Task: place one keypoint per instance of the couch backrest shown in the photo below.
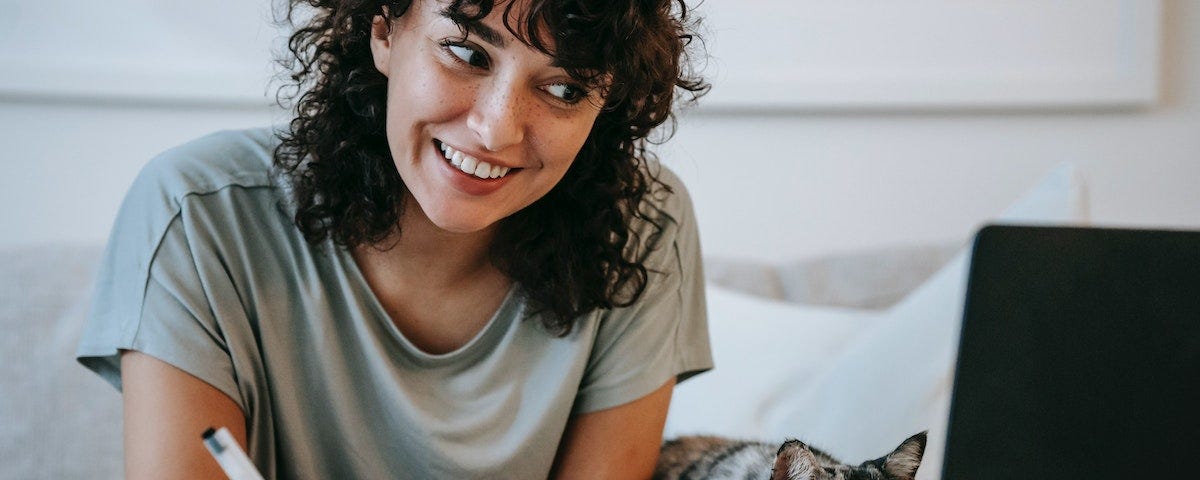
(58, 419)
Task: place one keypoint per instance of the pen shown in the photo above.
(233, 460)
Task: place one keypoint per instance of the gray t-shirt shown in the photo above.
(206, 271)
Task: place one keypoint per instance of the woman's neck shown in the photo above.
(438, 287)
(420, 254)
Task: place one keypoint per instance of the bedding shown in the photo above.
(852, 381)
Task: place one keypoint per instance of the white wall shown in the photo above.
(766, 185)
(770, 186)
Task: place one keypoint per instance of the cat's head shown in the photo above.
(796, 461)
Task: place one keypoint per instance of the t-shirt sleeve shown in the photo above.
(664, 334)
(153, 294)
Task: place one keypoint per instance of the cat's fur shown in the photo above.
(699, 457)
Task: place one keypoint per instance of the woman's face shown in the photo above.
(478, 128)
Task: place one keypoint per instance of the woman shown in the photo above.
(456, 262)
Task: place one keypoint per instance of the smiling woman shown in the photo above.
(458, 260)
(618, 67)
(490, 99)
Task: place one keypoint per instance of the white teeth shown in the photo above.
(471, 165)
(468, 164)
(484, 170)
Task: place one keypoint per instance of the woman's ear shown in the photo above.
(381, 42)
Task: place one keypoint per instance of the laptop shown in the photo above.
(1079, 356)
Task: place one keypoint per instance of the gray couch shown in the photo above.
(60, 420)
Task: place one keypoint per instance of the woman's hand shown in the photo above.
(618, 443)
(166, 411)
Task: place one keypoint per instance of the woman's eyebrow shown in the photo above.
(488, 34)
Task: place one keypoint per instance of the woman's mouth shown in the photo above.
(471, 165)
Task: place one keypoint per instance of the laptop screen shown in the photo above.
(1079, 356)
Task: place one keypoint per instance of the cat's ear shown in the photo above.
(794, 461)
(902, 463)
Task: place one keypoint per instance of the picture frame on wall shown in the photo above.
(845, 55)
(789, 55)
(139, 51)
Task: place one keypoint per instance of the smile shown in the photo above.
(470, 165)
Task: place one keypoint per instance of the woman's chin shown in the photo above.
(448, 217)
(457, 224)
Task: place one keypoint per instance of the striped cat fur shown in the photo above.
(715, 458)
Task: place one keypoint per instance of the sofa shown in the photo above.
(804, 348)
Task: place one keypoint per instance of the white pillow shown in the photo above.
(759, 347)
(895, 379)
(854, 383)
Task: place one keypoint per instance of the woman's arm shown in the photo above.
(166, 411)
(617, 443)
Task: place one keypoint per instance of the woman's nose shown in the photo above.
(498, 116)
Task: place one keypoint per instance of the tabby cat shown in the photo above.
(715, 458)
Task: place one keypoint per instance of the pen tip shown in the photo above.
(208, 433)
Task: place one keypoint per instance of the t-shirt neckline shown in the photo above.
(483, 340)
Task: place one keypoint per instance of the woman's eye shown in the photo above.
(468, 55)
(565, 92)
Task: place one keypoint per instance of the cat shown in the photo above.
(703, 457)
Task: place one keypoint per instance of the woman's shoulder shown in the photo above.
(665, 226)
(210, 163)
(194, 182)
(675, 199)
(667, 204)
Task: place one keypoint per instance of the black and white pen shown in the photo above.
(233, 460)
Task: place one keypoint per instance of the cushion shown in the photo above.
(853, 382)
(760, 347)
(60, 420)
(874, 279)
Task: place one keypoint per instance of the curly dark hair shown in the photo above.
(571, 250)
